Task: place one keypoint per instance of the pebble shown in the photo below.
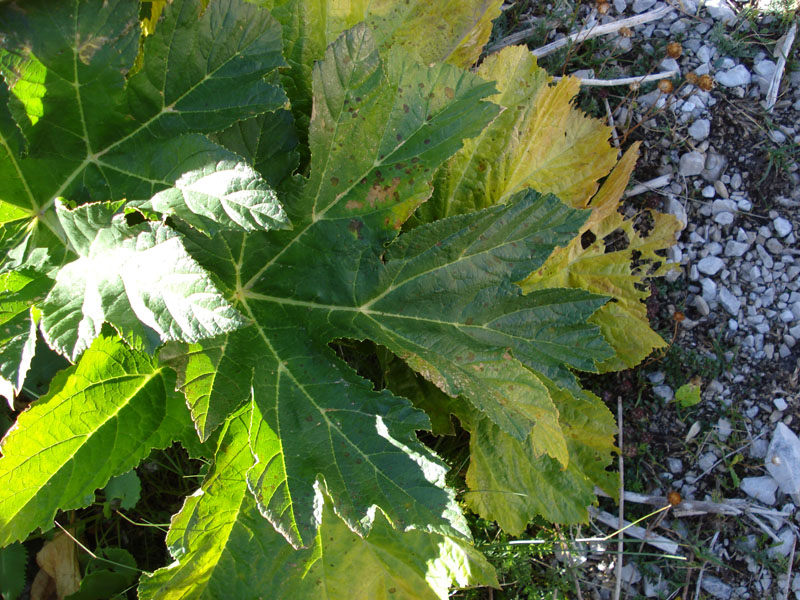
(640, 6)
(780, 404)
(735, 249)
(702, 306)
(735, 77)
(724, 218)
(720, 11)
(691, 163)
(774, 246)
(782, 227)
(761, 488)
(700, 129)
(710, 265)
(664, 392)
(729, 302)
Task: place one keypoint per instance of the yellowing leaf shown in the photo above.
(540, 141)
(623, 322)
(510, 482)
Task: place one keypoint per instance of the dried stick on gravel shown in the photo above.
(649, 186)
(640, 533)
(786, 586)
(624, 80)
(691, 508)
(579, 36)
(782, 49)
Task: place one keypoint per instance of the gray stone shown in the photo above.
(782, 227)
(708, 191)
(724, 429)
(716, 587)
(729, 302)
(620, 6)
(787, 543)
(783, 460)
(719, 10)
(710, 265)
(664, 392)
(734, 248)
(723, 205)
(715, 165)
(780, 404)
(674, 465)
(765, 68)
(777, 136)
(724, 218)
(702, 306)
(639, 6)
(707, 461)
(676, 208)
(709, 289)
(774, 246)
(691, 163)
(735, 77)
(761, 488)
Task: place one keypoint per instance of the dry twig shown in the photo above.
(579, 36)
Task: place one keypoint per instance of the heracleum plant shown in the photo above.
(198, 198)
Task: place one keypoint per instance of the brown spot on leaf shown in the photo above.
(334, 181)
(448, 91)
(405, 108)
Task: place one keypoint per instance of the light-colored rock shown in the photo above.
(702, 306)
(716, 587)
(735, 249)
(724, 218)
(787, 543)
(674, 207)
(664, 392)
(691, 164)
(729, 302)
(710, 265)
(674, 465)
(761, 488)
(783, 460)
(735, 77)
(639, 6)
(709, 287)
(782, 226)
(720, 11)
(700, 129)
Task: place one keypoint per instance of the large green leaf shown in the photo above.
(139, 279)
(91, 136)
(224, 548)
(452, 30)
(441, 297)
(512, 481)
(99, 419)
(18, 321)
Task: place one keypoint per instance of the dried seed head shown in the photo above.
(674, 49)
(691, 77)
(705, 82)
(635, 85)
(678, 316)
(665, 85)
(603, 7)
(674, 498)
(625, 32)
